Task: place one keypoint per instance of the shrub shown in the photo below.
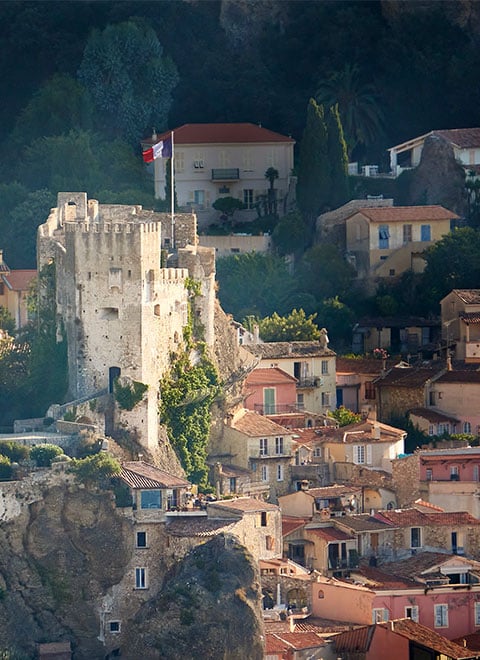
(14, 451)
(97, 469)
(43, 454)
(6, 469)
(127, 396)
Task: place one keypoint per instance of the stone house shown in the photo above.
(439, 591)
(417, 531)
(460, 311)
(386, 242)
(432, 422)
(254, 442)
(225, 160)
(233, 480)
(312, 363)
(403, 388)
(270, 391)
(455, 393)
(122, 312)
(331, 501)
(14, 287)
(355, 382)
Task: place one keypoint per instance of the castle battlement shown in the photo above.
(172, 275)
(92, 227)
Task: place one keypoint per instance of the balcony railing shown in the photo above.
(271, 409)
(226, 174)
(312, 381)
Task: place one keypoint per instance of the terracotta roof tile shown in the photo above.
(471, 641)
(138, 474)
(429, 638)
(222, 134)
(197, 527)
(290, 524)
(363, 522)
(272, 375)
(289, 349)
(408, 213)
(427, 505)
(470, 317)
(301, 640)
(329, 533)
(358, 640)
(330, 492)
(468, 296)
(465, 138)
(243, 504)
(432, 415)
(408, 376)
(455, 376)
(252, 424)
(274, 644)
(19, 280)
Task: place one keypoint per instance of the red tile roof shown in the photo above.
(420, 634)
(415, 518)
(301, 640)
(244, 504)
(358, 640)
(19, 280)
(222, 134)
(408, 376)
(270, 376)
(252, 424)
(331, 492)
(470, 317)
(431, 415)
(290, 524)
(329, 534)
(289, 349)
(468, 296)
(407, 213)
(138, 474)
(455, 376)
(464, 138)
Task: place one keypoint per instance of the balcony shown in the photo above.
(226, 174)
(311, 381)
(280, 409)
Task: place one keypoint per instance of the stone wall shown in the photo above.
(406, 480)
(397, 401)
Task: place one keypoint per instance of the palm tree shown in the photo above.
(271, 175)
(358, 105)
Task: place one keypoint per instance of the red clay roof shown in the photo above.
(407, 213)
(270, 376)
(468, 296)
(138, 474)
(329, 534)
(415, 518)
(330, 492)
(455, 376)
(431, 415)
(290, 524)
(408, 376)
(19, 280)
(470, 317)
(416, 632)
(465, 138)
(300, 640)
(252, 424)
(222, 134)
(358, 640)
(244, 504)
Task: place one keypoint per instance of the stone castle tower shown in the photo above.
(124, 313)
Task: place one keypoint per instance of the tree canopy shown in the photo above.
(296, 326)
(129, 79)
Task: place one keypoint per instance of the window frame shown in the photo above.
(117, 623)
(137, 544)
(140, 577)
(279, 445)
(280, 472)
(263, 447)
(477, 613)
(441, 608)
(414, 612)
(383, 237)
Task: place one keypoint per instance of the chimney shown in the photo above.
(449, 362)
(376, 430)
(291, 622)
(256, 334)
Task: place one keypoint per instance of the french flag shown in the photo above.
(162, 149)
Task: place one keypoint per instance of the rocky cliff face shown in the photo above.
(64, 548)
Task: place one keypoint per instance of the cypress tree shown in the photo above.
(337, 153)
(314, 180)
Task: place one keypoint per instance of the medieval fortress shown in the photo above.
(122, 300)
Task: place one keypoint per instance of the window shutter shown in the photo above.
(369, 454)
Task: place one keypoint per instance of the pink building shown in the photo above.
(436, 590)
(270, 391)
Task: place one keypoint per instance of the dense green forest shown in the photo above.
(84, 81)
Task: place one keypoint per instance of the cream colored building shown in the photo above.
(224, 160)
(385, 242)
(460, 311)
(14, 287)
(253, 441)
(312, 363)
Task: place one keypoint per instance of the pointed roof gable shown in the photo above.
(138, 474)
(252, 424)
(407, 213)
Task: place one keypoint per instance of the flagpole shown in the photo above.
(172, 192)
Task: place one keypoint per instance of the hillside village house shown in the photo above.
(312, 363)
(355, 386)
(450, 478)
(254, 442)
(439, 591)
(270, 391)
(385, 242)
(460, 310)
(14, 287)
(225, 160)
(464, 141)
(397, 334)
(400, 638)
